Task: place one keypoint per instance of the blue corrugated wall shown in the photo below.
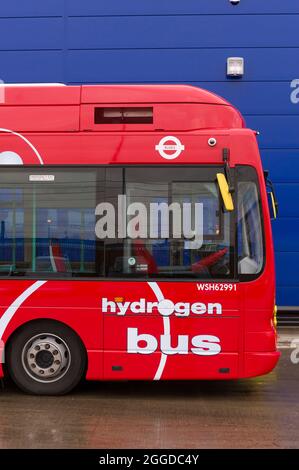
(178, 41)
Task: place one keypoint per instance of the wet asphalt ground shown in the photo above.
(261, 412)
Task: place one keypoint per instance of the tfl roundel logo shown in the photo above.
(170, 147)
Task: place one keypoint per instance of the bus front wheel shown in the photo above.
(46, 358)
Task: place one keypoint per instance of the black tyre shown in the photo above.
(46, 358)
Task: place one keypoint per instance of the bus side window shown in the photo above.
(250, 237)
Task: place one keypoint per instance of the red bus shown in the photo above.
(135, 238)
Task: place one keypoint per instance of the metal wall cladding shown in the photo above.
(172, 41)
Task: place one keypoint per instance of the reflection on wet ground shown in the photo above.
(260, 412)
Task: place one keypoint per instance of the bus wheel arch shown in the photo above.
(49, 347)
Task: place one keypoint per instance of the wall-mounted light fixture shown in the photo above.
(234, 2)
(235, 67)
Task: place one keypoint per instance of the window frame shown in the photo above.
(247, 173)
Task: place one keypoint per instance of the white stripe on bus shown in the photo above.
(13, 308)
(166, 324)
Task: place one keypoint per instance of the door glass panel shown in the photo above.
(250, 235)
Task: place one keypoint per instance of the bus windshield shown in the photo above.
(127, 222)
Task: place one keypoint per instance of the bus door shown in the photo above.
(173, 304)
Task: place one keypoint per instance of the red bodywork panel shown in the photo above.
(55, 126)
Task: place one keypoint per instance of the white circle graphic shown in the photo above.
(17, 134)
(170, 144)
(10, 158)
(166, 307)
